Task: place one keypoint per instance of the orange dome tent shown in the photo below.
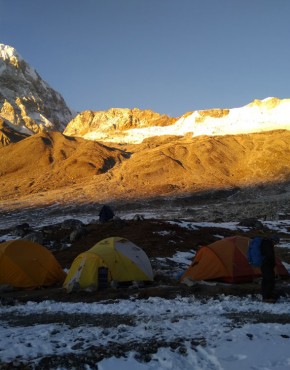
(26, 264)
(226, 260)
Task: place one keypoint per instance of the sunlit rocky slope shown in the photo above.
(83, 170)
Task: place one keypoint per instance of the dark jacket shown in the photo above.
(268, 269)
(268, 252)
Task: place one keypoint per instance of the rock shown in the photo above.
(138, 218)
(72, 223)
(252, 223)
(77, 234)
(21, 230)
(36, 237)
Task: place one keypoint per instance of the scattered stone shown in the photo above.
(72, 223)
(77, 234)
(252, 223)
(138, 217)
(36, 237)
(21, 230)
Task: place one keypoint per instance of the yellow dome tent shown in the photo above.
(26, 264)
(114, 258)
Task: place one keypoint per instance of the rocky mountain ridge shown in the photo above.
(133, 126)
(28, 104)
(114, 124)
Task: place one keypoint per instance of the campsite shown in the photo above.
(170, 245)
(145, 152)
(160, 239)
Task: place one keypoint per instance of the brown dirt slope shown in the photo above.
(158, 166)
(209, 162)
(51, 160)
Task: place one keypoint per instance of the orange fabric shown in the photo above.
(205, 265)
(25, 264)
(226, 260)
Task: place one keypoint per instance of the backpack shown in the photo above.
(106, 214)
(255, 257)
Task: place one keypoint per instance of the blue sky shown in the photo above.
(171, 56)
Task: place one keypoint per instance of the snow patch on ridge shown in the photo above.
(259, 116)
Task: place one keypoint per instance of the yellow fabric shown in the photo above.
(121, 267)
(25, 264)
(84, 273)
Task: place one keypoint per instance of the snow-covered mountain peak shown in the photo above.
(27, 103)
(11, 57)
(8, 53)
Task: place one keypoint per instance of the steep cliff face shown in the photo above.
(27, 103)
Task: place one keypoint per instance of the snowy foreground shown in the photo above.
(215, 334)
(226, 345)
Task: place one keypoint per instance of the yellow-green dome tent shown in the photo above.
(114, 258)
